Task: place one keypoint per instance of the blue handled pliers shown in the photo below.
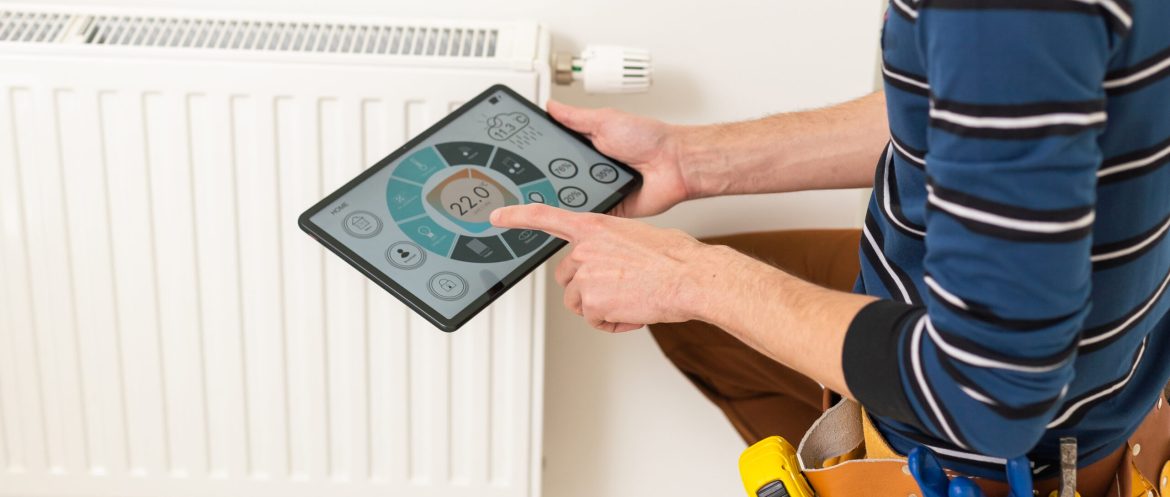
(934, 482)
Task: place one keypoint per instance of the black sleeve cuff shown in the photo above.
(870, 359)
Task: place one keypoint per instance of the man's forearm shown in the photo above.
(796, 323)
(834, 147)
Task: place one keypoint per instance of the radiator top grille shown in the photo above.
(248, 35)
(39, 27)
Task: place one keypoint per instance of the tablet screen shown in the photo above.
(422, 218)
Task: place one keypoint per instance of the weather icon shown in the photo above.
(503, 126)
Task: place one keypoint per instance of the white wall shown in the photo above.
(619, 420)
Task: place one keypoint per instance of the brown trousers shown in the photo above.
(760, 396)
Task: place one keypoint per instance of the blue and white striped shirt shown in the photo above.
(1018, 230)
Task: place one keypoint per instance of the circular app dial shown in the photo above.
(462, 183)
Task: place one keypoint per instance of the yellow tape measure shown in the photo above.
(770, 469)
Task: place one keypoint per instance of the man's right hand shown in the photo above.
(648, 145)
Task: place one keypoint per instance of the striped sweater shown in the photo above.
(1017, 230)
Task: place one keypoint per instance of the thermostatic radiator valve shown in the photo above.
(605, 69)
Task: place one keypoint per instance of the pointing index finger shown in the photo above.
(556, 222)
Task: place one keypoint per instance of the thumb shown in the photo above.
(579, 119)
(560, 223)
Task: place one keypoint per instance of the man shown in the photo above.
(1010, 288)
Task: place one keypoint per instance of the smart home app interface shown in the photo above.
(423, 219)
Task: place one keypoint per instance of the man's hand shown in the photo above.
(620, 274)
(648, 145)
(836, 147)
(623, 274)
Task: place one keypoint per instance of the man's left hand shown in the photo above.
(620, 274)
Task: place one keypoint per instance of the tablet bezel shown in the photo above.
(509, 280)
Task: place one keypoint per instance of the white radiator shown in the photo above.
(165, 328)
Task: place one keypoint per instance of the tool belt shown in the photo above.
(843, 455)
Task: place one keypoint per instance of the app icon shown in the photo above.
(405, 255)
(447, 286)
(562, 168)
(479, 248)
(603, 173)
(572, 196)
(362, 224)
(465, 153)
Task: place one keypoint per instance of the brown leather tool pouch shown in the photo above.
(843, 455)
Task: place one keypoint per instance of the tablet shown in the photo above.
(417, 221)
